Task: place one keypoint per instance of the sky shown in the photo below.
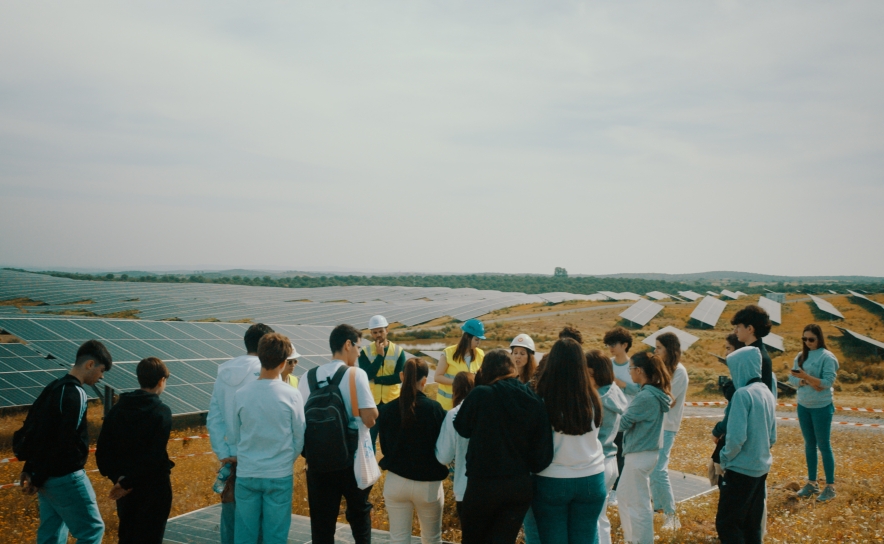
(515, 137)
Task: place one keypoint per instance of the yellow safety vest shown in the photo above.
(445, 393)
(384, 393)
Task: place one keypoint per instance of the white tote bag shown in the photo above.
(365, 465)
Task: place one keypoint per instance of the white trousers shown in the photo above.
(402, 497)
(634, 497)
(611, 474)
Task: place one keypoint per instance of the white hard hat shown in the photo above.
(377, 321)
(523, 341)
(295, 354)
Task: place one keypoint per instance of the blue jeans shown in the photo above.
(816, 427)
(661, 488)
(265, 505)
(567, 509)
(68, 502)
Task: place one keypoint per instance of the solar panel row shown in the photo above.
(708, 311)
(642, 312)
(192, 351)
(826, 306)
(774, 309)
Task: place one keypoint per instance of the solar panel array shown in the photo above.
(24, 374)
(642, 312)
(729, 294)
(826, 306)
(657, 295)
(326, 306)
(774, 309)
(713, 293)
(686, 339)
(690, 295)
(192, 351)
(867, 299)
(774, 341)
(708, 311)
(862, 338)
(620, 296)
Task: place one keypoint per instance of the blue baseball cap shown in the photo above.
(474, 327)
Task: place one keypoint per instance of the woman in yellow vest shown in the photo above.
(383, 361)
(463, 357)
(289, 368)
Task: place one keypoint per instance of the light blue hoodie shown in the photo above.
(821, 363)
(751, 426)
(614, 405)
(642, 424)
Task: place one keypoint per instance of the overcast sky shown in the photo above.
(444, 137)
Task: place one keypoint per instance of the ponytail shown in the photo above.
(415, 370)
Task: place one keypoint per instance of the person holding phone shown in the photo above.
(813, 373)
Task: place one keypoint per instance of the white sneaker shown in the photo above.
(671, 522)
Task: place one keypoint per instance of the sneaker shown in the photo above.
(612, 498)
(671, 523)
(810, 489)
(828, 493)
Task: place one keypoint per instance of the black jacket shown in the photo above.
(767, 377)
(411, 452)
(509, 431)
(133, 440)
(63, 437)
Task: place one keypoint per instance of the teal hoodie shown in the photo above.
(821, 363)
(751, 426)
(614, 404)
(642, 424)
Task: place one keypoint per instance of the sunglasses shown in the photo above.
(809, 339)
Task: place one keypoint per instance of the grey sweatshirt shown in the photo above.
(642, 424)
(614, 404)
(751, 426)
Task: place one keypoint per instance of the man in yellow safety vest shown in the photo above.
(382, 360)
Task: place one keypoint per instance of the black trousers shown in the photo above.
(493, 510)
(324, 492)
(618, 441)
(144, 511)
(740, 508)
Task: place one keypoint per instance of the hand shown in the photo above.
(620, 383)
(379, 347)
(800, 374)
(715, 439)
(226, 460)
(26, 486)
(117, 492)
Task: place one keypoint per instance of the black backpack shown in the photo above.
(329, 442)
(30, 440)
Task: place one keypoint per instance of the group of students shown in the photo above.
(539, 446)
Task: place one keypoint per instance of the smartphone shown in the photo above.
(794, 371)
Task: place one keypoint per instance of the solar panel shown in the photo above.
(740, 294)
(191, 351)
(657, 295)
(774, 341)
(867, 299)
(833, 292)
(24, 374)
(773, 309)
(713, 293)
(729, 294)
(826, 306)
(862, 338)
(686, 339)
(690, 295)
(708, 311)
(642, 312)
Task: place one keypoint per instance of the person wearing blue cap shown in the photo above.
(465, 356)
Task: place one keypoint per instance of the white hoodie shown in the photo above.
(232, 376)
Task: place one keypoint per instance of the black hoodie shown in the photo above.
(133, 440)
(509, 431)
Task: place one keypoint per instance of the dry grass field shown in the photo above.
(856, 515)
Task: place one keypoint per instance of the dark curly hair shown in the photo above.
(572, 333)
(755, 316)
(618, 335)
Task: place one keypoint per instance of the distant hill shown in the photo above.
(745, 277)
